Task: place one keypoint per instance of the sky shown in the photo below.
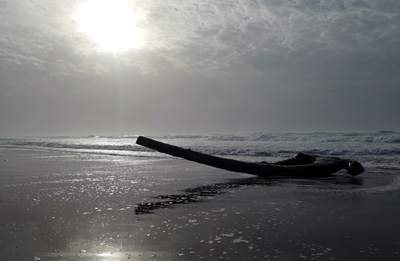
(122, 67)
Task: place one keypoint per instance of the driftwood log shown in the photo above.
(304, 165)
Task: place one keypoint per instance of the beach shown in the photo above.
(60, 206)
(302, 95)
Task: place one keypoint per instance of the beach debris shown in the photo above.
(302, 164)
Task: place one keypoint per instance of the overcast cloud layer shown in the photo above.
(204, 66)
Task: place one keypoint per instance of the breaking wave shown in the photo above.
(380, 136)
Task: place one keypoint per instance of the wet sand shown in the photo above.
(61, 206)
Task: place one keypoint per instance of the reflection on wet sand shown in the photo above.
(57, 210)
(203, 193)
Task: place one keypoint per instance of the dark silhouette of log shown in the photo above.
(305, 165)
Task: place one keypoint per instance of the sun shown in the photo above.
(111, 24)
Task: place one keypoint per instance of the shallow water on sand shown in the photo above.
(61, 206)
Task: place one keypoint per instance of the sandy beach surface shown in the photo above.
(63, 206)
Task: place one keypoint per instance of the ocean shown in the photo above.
(106, 198)
(378, 150)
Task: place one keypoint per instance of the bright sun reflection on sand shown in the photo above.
(111, 24)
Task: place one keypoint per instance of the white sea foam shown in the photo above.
(381, 136)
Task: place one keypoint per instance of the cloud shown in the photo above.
(205, 65)
(213, 37)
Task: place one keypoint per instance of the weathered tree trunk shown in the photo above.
(305, 165)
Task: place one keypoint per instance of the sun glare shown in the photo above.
(111, 24)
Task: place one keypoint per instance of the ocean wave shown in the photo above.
(380, 136)
(259, 149)
(383, 136)
(378, 149)
(75, 146)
